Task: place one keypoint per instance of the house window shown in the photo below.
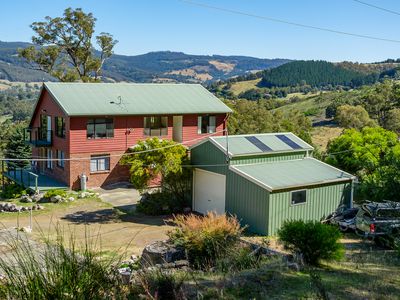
(60, 158)
(100, 128)
(206, 124)
(299, 197)
(155, 126)
(49, 162)
(60, 126)
(99, 163)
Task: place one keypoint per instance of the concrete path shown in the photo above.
(121, 195)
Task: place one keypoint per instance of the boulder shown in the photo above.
(56, 199)
(26, 199)
(161, 252)
(37, 197)
(71, 199)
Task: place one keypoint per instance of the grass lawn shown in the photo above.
(366, 272)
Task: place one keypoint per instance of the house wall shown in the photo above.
(320, 202)
(48, 107)
(128, 130)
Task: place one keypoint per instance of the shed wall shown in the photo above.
(242, 160)
(206, 155)
(248, 201)
(320, 202)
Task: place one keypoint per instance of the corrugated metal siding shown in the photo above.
(267, 158)
(320, 202)
(208, 154)
(248, 202)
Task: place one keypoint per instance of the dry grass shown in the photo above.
(225, 67)
(321, 135)
(242, 86)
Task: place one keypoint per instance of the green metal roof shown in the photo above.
(240, 145)
(291, 174)
(90, 99)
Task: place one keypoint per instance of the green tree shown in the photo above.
(393, 120)
(349, 116)
(373, 154)
(154, 158)
(16, 148)
(63, 47)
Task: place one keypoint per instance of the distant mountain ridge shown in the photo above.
(161, 66)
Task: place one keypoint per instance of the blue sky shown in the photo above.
(152, 25)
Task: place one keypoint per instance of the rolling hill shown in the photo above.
(158, 66)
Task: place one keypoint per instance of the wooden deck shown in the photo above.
(33, 181)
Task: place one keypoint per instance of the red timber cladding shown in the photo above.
(47, 106)
(128, 130)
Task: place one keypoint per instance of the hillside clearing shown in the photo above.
(242, 86)
(321, 135)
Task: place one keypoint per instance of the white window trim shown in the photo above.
(96, 158)
(49, 161)
(296, 204)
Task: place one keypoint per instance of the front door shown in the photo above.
(177, 129)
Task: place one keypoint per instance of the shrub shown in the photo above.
(161, 203)
(52, 193)
(313, 240)
(205, 238)
(158, 284)
(12, 191)
(58, 270)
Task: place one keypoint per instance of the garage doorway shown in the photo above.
(208, 192)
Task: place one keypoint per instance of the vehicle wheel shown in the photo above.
(343, 228)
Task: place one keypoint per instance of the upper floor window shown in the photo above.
(60, 126)
(100, 128)
(155, 126)
(206, 124)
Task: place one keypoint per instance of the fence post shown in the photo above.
(36, 183)
(2, 175)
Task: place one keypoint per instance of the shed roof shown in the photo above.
(87, 99)
(291, 174)
(263, 143)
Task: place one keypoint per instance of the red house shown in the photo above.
(88, 126)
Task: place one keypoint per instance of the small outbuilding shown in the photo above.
(265, 179)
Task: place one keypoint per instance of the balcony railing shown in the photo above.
(39, 137)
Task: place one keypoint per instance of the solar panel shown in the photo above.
(288, 141)
(256, 142)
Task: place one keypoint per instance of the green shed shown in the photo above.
(265, 179)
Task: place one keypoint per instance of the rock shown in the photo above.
(37, 197)
(161, 252)
(39, 207)
(293, 266)
(134, 258)
(26, 199)
(56, 199)
(71, 199)
(125, 275)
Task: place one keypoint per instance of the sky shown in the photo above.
(142, 26)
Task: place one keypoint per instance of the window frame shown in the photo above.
(148, 131)
(60, 161)
(300, 203)
(57, 129)
(208, 124)
(98, 157)
(92, 121)
(49, 159)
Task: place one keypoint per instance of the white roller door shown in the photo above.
(209, 192)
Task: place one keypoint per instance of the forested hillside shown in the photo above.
(162, 66)
(315, 74)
